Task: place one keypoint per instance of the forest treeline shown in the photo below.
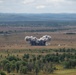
(52, 23)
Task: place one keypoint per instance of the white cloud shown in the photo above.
(27, 1)
(54, 0)
(71, 0)
(54, 3)
(1, 1)
(40, 6)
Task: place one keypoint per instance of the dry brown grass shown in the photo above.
(16, 40)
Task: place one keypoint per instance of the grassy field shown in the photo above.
(65, 72)
(59, 72)
(14, 44)
(16, 40)
(13, 37)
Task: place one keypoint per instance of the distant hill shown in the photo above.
(36, 17)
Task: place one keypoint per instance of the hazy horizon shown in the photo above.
(33, 13)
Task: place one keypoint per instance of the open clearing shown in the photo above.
(14, 44)
(65, 72)
(16, 40)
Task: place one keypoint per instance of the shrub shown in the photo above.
(2, 73)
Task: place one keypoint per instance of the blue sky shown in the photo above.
(37, 6)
